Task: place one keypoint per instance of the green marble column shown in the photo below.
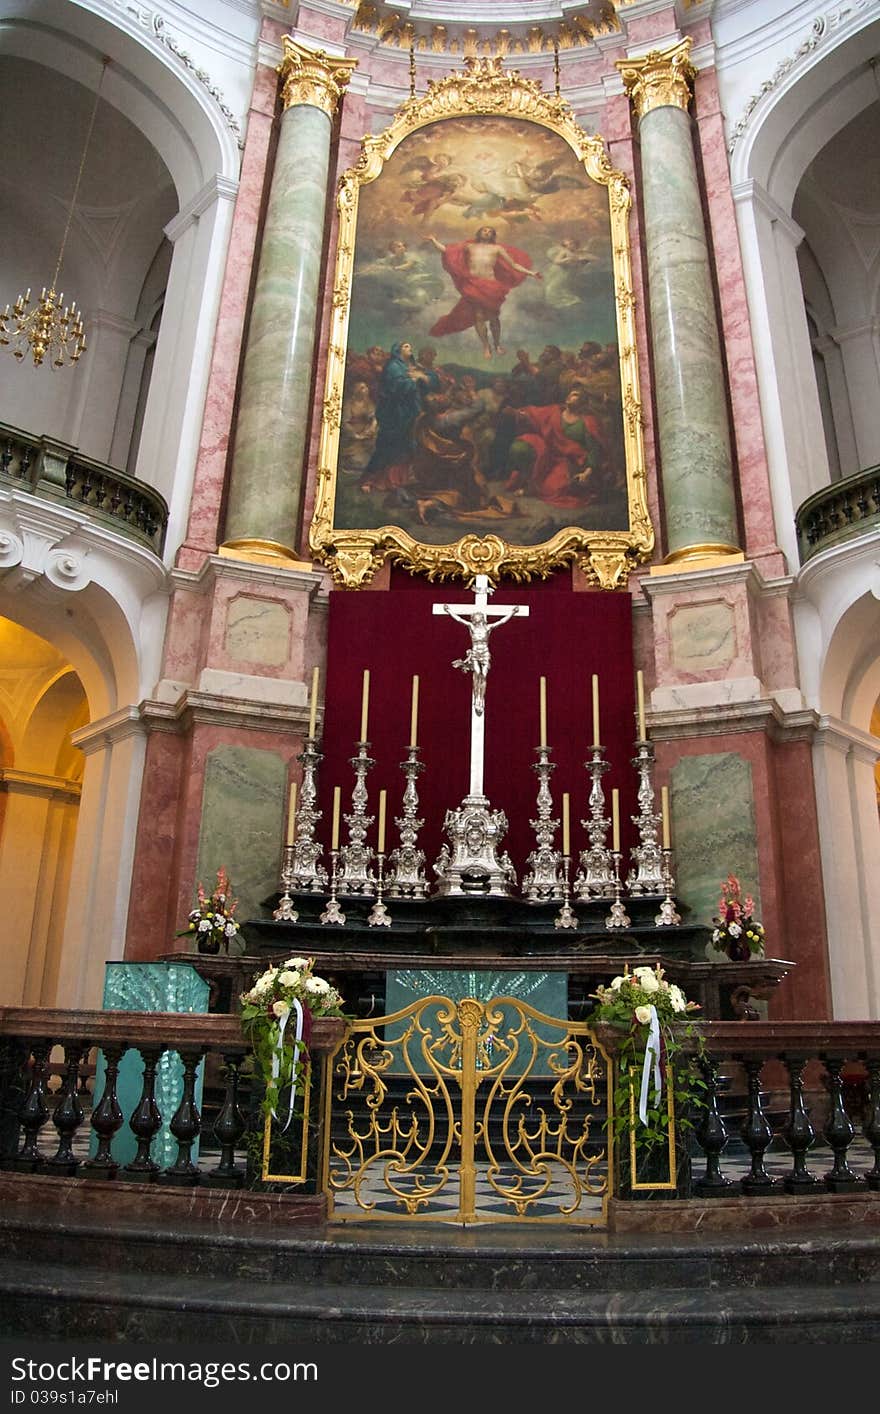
(695, 457)
(267, 465)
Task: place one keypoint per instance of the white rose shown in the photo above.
(734, 930)
(280, 1009)
(299, 964)
(287, 978)
(648, 980)
(617, 984)
(205, 925)
(676, 998)
(643, 1014)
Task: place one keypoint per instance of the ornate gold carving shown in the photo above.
(660, 79)
(263, 552)
(312, 76)
(571, 33)
(484, 87)
(501, 1109)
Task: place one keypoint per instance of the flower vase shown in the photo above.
(208, 943)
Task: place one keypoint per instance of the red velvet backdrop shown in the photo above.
(567, 637)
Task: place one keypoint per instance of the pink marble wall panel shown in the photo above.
(186, 635)
(156, 871)
(294, 603)
(203, 530)
(718, 602)
(757, 510)
(322, 26)
(792, 902)
(776, 636)
(641, 29)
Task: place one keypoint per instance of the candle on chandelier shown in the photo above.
(383, 794)
(414, 714)
(566, 826)
(365, 704)
(596, 738)
(291, 812)
(664, 799)
(615, 821)
(543, 712)
(334, 834)
(313, 710)
(640, 689)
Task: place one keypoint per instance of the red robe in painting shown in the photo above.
(558, 457)
(476, 293)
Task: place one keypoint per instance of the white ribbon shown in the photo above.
(651, 1049)
(279, 1050)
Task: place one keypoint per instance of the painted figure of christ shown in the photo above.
(484, 272)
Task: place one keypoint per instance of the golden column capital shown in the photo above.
(312, 76)
(659, 79)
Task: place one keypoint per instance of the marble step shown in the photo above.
(57, 1302)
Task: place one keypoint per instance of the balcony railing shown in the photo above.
(838, 512)
(58, 472)
(808, 1091)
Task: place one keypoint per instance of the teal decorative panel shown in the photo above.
(713, 819)
(545, 991)
(243, 807)
(150, 986)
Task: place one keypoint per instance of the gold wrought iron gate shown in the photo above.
(467, 1112)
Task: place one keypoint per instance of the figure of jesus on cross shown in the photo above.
(480, 619)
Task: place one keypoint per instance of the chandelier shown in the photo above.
(52, 328)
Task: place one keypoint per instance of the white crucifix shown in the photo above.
(479, 619)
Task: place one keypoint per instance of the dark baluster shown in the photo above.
(186, 1124)
(128, 506)
(86, 487)
(849, 510)
(798, 1132)
(100, 491)
(116, 498)
(862, 505)
(712, 1134)
(229, 1128)
(25, 463)
(14, 1055)
(69, 476)
(107, 1118)
(872, 1120)
(839, 1131)
(6, 457)
(757, 1134)
(68, 1114)
(146, 1120)
(34, 1111)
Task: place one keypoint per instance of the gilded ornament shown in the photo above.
(660, 79)
(312, 76)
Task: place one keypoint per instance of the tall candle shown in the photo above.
(365, 704)
(664, 798)
(291, 812)
(334, 836)
(382, 799)
(543, 711)
(596, 738)
(640, 689)
(313, 712)
(615, 821)
(566, 839)
(414, 714)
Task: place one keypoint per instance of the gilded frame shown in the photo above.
(606, 556)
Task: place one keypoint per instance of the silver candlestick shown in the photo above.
(544, 880)
(355, 874)
(333, 913)
(669, 914)
(379, 917)
(618, 917)
(566, 917)
(595, 878)
(406, 878)
(646, 875)
(285, 912)
(303, 870)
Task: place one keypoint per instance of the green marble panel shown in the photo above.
(713, 830)
(150, 986)
(243, 807)
(547, 992)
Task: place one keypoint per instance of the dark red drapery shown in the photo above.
(567, 637)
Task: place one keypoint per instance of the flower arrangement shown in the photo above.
(213, 920)
(737, 932)
(648, 1012)
(277, 1015)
